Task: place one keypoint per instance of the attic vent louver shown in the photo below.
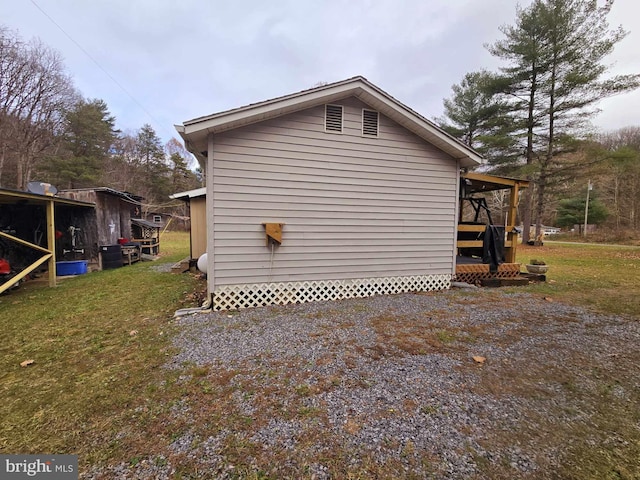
(370, 123)
(333, 118)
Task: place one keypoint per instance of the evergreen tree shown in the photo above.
(89, 133)
(571, 211)
(152, 169)
(475, 115)
(149, 146)
(553, 78)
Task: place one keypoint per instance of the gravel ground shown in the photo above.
(390, 384)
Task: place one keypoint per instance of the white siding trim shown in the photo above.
(233, 297)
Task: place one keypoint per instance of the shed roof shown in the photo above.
(126, 196)
(189, 194)
(146, 223)
(195, 132)
(9, 197)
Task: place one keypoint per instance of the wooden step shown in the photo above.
(504, 282)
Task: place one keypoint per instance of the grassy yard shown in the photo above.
(98, 342)
(604, 277)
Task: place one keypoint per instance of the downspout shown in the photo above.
(209, 180)
(455, 220)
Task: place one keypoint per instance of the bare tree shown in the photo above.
(34, 94)
(619, 176)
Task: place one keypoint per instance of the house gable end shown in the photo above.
(195, 132)
(352, 206)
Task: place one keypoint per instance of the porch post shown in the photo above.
(512, 235)
(51, 242)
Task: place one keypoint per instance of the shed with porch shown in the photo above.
(112, 224)
(35, 233)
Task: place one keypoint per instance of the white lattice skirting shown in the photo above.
(232, 297)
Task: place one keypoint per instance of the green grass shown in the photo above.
(97, 387)
(97, 341)
(606, 278)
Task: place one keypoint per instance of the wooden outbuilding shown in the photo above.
(196, 203)
(112, 228)
(147, 235)
(36, 230)
(114, 211)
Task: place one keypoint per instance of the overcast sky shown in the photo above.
(167, 61)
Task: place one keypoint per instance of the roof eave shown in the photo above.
(196, 192)
(195, 132)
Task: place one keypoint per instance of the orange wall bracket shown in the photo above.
(273, 232)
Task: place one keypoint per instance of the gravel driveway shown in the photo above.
(388, 387)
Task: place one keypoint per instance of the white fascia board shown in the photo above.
(198, 192)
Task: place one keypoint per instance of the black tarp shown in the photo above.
(493, 247)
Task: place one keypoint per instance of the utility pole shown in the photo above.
(586, 207)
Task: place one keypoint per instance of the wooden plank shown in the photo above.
(9, 283)
(51, 242)
(507, 182)
(274, 232)
(24, 242)
(469, 243)
(471, 228)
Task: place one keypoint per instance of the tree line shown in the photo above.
(49, 132)
(531, 117)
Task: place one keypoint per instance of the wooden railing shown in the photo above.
(510, 243)
(150, 246)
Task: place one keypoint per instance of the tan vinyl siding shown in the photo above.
(198, 213)
(353, 206)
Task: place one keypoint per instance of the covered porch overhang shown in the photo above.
(471, 234)
(47, 254)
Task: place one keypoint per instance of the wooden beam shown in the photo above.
(469, 243)
(507, 182)
(51, 242)
(167, 225)
(512, 235)
(471, 228)
(24, 242)
(50, 256)
(9, 283)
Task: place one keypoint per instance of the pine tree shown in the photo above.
(474, 115)
(149, 146)
(88, 135)
(553, 78)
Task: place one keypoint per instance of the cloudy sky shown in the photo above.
(166, 61)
